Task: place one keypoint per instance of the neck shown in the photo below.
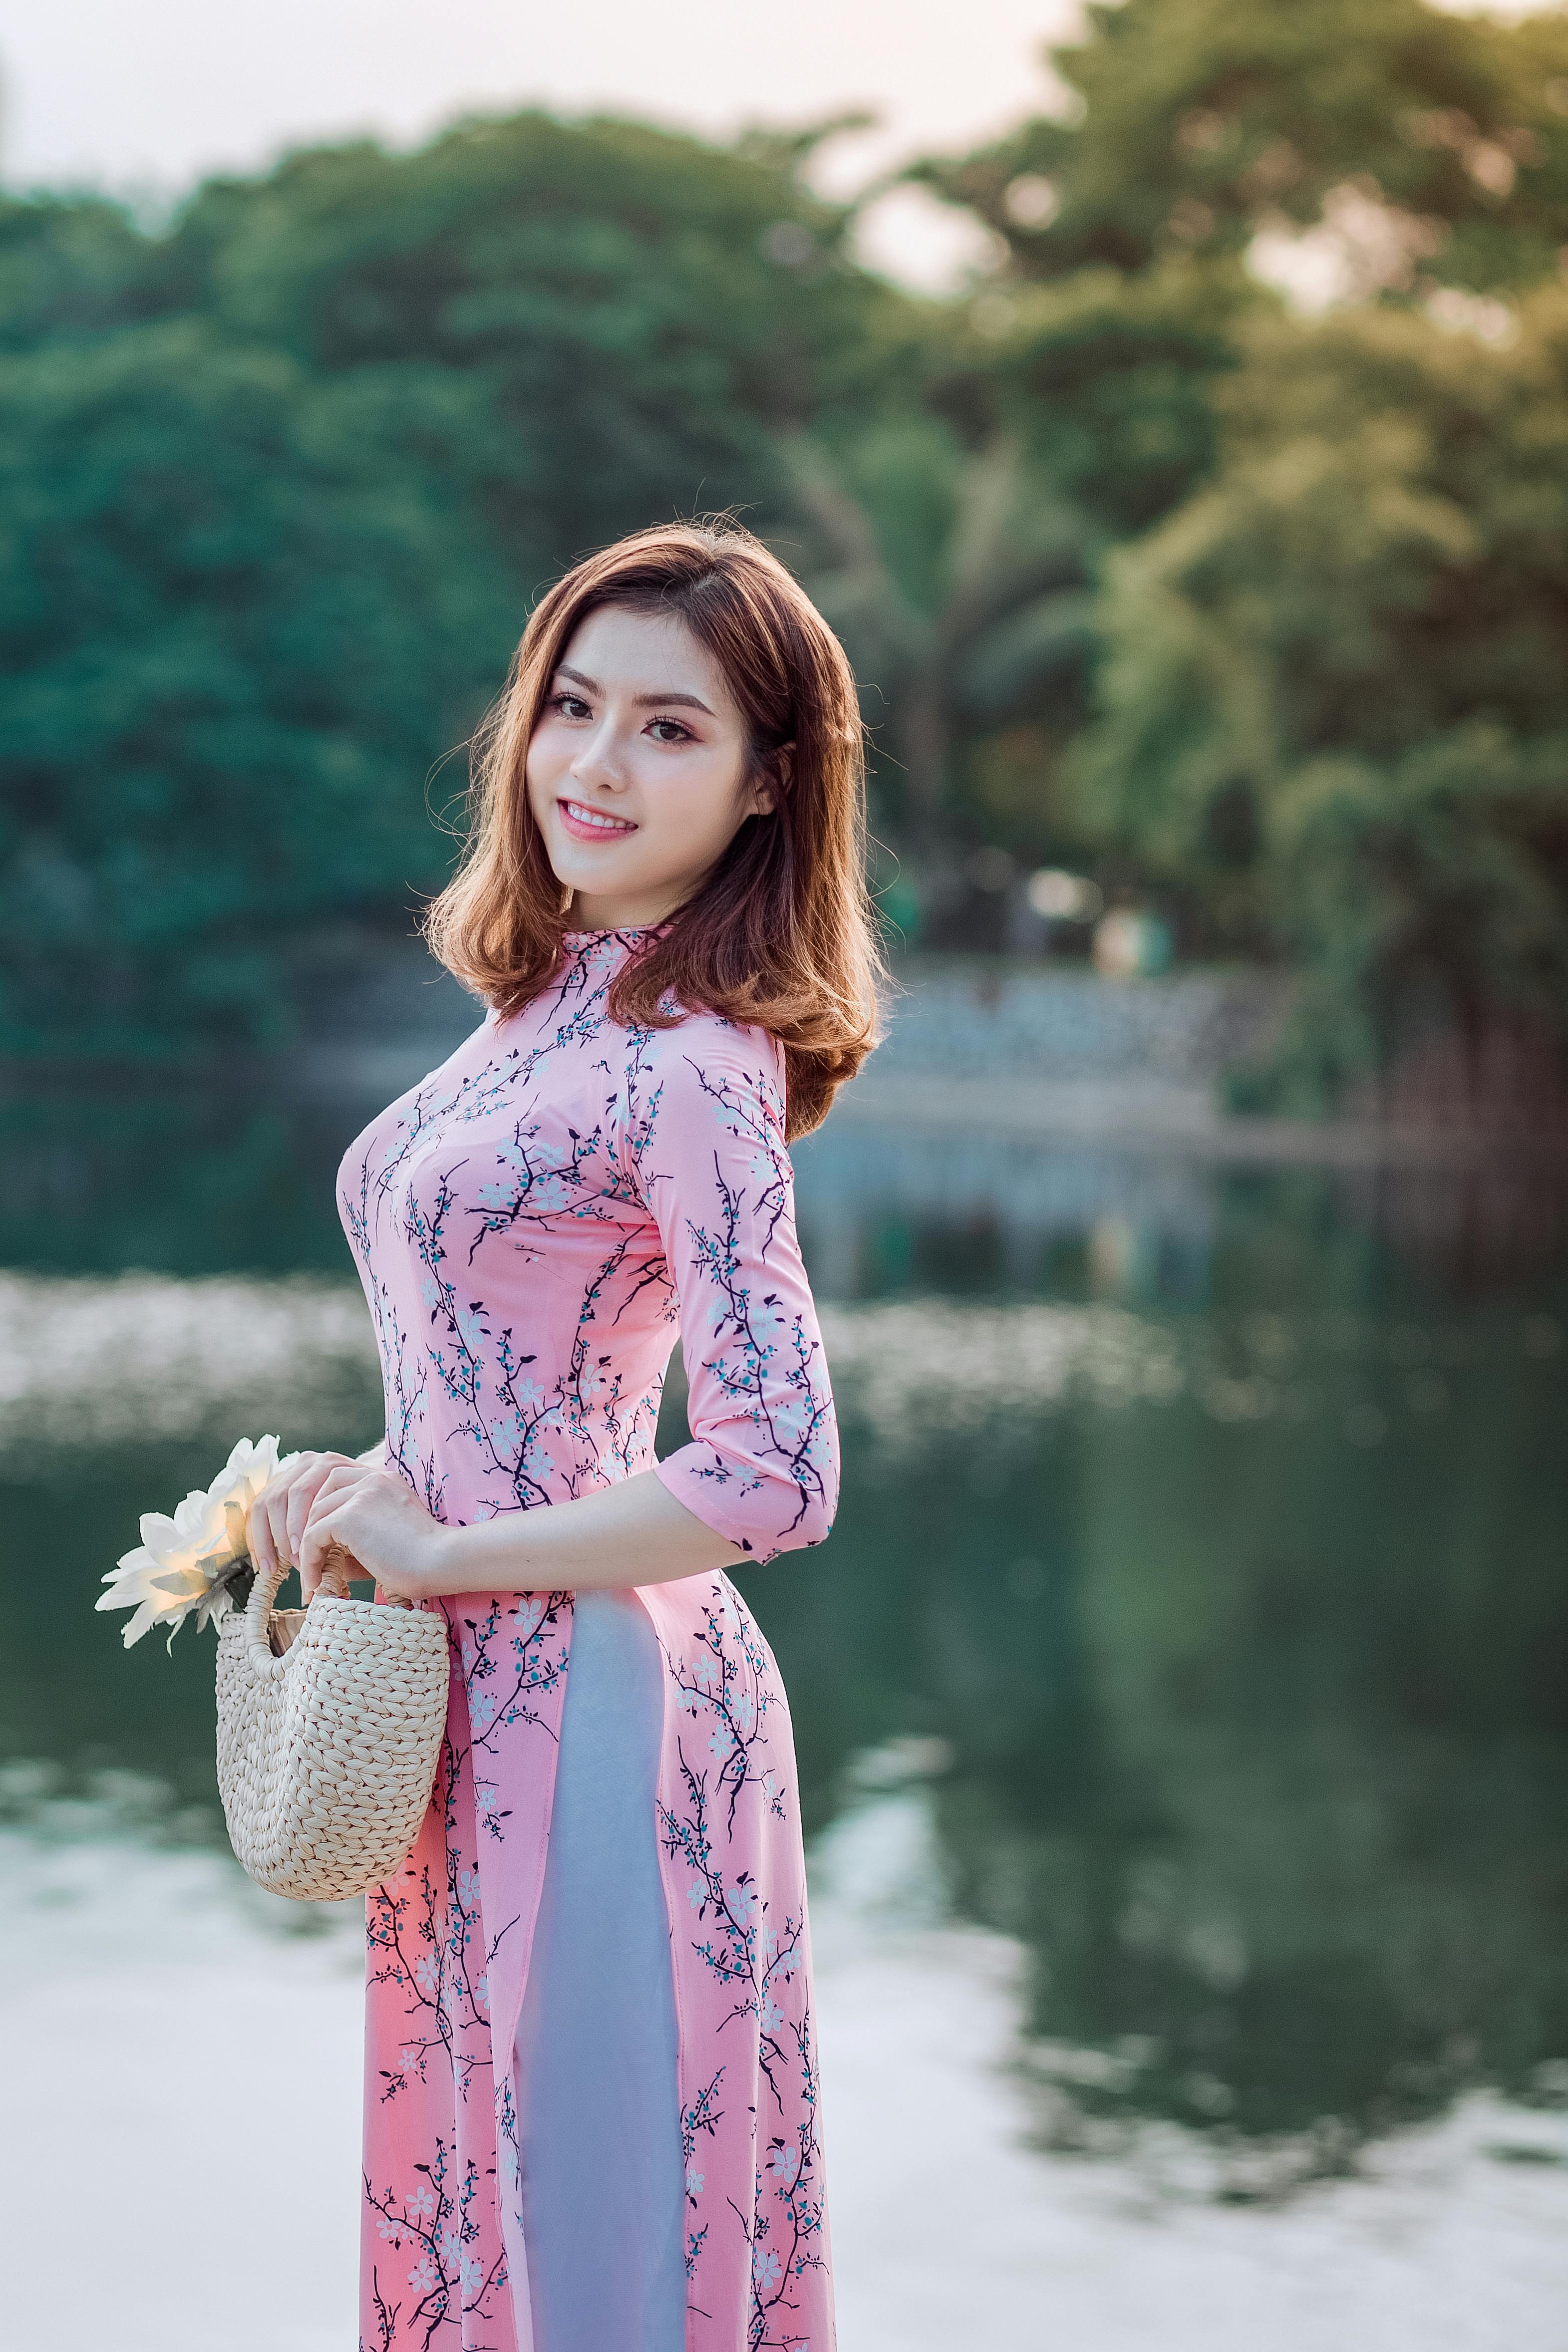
(593, 913)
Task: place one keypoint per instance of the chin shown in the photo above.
(576, 862)
(595, 875)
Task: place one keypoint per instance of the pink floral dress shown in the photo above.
(531, 1224)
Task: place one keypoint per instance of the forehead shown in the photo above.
(647, 653)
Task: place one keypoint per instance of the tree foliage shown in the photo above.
(1197, 122)
(280, 483)
(1334, 701)
(1328, 716)
(238, 620)
(1138, 567)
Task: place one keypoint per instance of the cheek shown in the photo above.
(683, 828)
(543, 766)
(698, 803)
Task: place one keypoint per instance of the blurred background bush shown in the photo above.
(1209, 545)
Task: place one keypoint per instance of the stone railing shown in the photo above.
(969, 1019)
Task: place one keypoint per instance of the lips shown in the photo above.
(585, 822)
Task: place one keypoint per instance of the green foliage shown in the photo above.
(280, 483)
(236, 633)
(1198, 121)
(68, 267)
(613, 287)
(1335, 705)
(953, 545)
(962, 607)
(1110, 380)
(1331, 712)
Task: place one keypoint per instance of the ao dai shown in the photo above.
(532, 1225)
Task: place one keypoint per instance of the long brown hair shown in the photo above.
(780, 931)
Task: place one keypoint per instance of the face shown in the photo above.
(637, 771)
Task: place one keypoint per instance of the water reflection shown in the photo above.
(1198, 1592)
(1252, 1677)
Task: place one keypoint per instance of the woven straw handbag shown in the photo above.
(327, 1753)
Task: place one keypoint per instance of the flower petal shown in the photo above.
(186, 1584)
(191, 1516)
(144, 1617)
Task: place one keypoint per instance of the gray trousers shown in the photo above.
(599, 2125)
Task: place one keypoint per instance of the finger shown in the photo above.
(258, 1538)
(272, 1507)
(285, 1478)
(336, 1570)
(270, 1537)
(315, 1547)
(276, 1512)
(340, 1482)
(344, 1478)
(303, 1489)
(325, 1563)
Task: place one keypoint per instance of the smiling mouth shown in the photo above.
(580, 819)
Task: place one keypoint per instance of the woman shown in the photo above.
(591, 2089)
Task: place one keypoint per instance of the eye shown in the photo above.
(570, 706)
(676, 732)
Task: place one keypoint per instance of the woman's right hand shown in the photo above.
(276, 1520)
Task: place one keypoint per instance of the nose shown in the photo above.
(597, 764)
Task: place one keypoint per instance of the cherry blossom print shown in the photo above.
(535, 1223)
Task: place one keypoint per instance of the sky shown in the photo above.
(144, 98)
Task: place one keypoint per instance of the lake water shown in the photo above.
(1192, 1640)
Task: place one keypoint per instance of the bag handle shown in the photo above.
(264, 1591)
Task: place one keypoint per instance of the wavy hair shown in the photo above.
(780, 931)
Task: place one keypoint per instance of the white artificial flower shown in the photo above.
(182, 1565)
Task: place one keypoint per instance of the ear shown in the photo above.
(769, 787)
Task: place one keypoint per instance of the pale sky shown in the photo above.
(149, 96)
(144, 95)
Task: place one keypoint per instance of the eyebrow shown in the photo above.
(643, 701)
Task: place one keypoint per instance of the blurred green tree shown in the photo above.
(68, 266)
(238, 622)
(281, 482)
(1191, 125)
(956, 545)
(961, 588)
(1332, 716)
(1335, 702)
(647, 313)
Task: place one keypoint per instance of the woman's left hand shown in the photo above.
(388, 1533)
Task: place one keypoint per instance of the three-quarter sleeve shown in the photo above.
(762, 1467)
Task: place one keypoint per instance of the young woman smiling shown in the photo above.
(592, 2105)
